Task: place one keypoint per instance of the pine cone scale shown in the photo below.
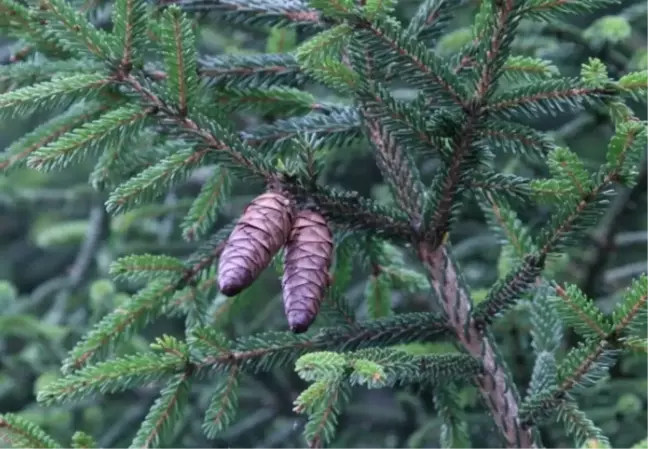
(307, 259)
(259, 234)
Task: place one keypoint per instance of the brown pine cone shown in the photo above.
(307, 260)
(259, 234)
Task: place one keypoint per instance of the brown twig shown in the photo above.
(494, 384)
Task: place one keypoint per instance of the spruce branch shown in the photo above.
(503, 187)
(325, 58)
(590, 194)
(508, 291)
(118, 325)
(336, 129)
(450, 179)
(143, 187)
(226, 142)
(264, 351)
(590, 206)
(630, 314)
(165, 412)
(516, 139)
(583, 364)
(580, 426)
(495, 385)
(224, 403)
(497, 388)
(251, 70)
(544, 373)
(51, 94)
(431, 19)
(520, 69)
(416, 133)
(498, 31)
(20, 150)
(113, 376)
(550, 10)
(454, 431)
(130, 20)
(422, 68)
(582, 367)
(449, 183)
(580, 312)
(276, 100)
(351, 211)
(548, 97)
(74, 32)
(179, 53)
(144, 268)
(19, 432)
(507, 226)
(147, 304)
(322, 421)
(398, 169)
(209, 140)
(396, 367)
(255, 13)
(32, 72)
(27, 25)
(110, 129)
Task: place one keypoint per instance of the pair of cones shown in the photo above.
(268, 223)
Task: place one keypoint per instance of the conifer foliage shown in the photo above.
(142, 84)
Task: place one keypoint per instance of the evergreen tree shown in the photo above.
(147, 110)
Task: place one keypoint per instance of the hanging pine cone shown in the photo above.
(307, 259)
(259, 234)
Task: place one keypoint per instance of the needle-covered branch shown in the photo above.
(140, 99)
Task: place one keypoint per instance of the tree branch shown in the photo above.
(497, 389)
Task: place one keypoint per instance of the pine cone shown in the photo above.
(307, 259)
(259, 234)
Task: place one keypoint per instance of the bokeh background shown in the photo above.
(57, 242)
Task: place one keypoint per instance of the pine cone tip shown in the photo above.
(298, 322)
(234, 282)
(230, 290)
